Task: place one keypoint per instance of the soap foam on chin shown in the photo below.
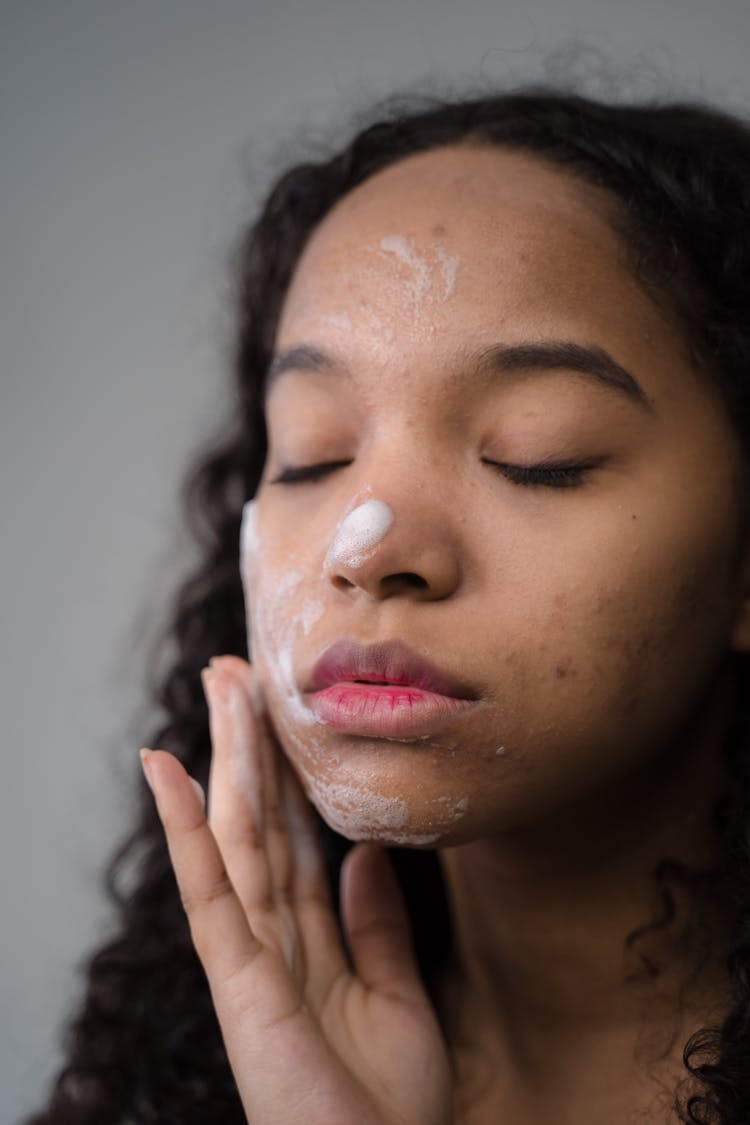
(358, 812)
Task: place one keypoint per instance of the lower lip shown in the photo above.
(384, 710)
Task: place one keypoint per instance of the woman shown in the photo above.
(492, 450)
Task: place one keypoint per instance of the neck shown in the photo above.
(543, 969)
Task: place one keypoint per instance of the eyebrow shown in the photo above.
(565, 355)
(302, 358)
(512, 359)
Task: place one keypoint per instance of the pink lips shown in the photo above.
(384, 690)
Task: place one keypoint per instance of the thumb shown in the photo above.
(377, 924)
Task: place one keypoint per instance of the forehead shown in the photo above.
(470, 245)
(459, 209)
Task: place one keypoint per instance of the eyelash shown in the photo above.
(304, 473)
(545, 476)
(530, 476)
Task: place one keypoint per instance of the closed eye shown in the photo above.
(548, 476)
(299, 474)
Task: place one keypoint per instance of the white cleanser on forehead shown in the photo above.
(421, 266)
(359, 533)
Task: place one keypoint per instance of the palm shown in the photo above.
(311, 1035)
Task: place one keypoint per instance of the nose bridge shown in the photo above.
(408, 467)
(400, 537)
(411, 455)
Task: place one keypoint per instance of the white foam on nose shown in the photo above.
(359, 533)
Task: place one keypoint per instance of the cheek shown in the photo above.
(278, 613)
(631, 636)
(597, 679)
(274, 630)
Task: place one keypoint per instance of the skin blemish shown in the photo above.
(359, 533)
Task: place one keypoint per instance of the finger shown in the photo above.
(325, 956)
(303, 926)
(246, 676)
(236, 791)
(252, 722)
(310, 879)
(377, 924)
(219, 928)
(244, 672)
(299, 878)
(236, 762)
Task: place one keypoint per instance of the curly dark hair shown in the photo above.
(144, 1046)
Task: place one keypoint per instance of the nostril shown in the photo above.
(405, 578)
(342, 583)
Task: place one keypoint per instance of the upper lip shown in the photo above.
(390, 662)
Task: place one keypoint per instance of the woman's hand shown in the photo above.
(310, 1038)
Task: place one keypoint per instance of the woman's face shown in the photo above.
(493, 467)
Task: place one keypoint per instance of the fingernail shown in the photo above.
(145, 754)
(199, 790)
(218, 687)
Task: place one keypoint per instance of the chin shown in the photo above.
(358, 810)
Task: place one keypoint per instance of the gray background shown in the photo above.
(134, 137)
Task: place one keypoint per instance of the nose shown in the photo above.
(417, 557)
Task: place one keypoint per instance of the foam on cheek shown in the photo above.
(249, 548)
(249, 540)
(275, 615)
(359, 533)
